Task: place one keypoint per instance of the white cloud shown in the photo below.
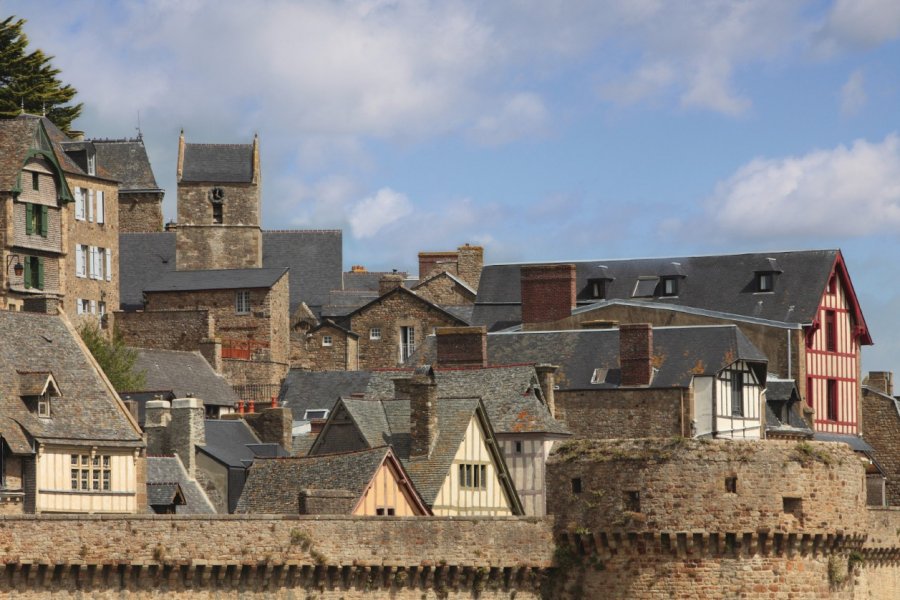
(845, 191)
(374, 213)
(859, 24)
(521, 116)
(853, 94)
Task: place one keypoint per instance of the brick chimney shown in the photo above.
(547, 379)
(431, 261)
(470, 263)
(187, 430)
(461, 346)
(882, 381)
(548, 292)
(423, 423)
(636, 353)
(389, 282)
(157, 417)
(47, 305)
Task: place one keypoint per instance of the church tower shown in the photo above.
(219, 206)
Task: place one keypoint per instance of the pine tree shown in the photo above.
(29, 80)
(115, 358)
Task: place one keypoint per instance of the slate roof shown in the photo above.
(445, 274)
(143, 258)
(16, 136)
(722, 283)
(87, 412)
(183, 373)
(222, 163)
(314, 258)
(274, 485)
(681, 352)
(305, 390)
(169, 470)
(463, 313)
(224, 279)
(366, 280)
(227, 441)
(341, 303)
(127, 161)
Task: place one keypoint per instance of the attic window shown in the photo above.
(597, 288)
(315, 413)
(832, 284)
(35, 181)
(91, 164)
(765, 282)
(645, 287)
(599, 376)
(670, 286)
(327, 340)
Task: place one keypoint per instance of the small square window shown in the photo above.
(327, 340)
(35, 181)
(633, 501)
(793, 506)
(576, 485)
(375, 333)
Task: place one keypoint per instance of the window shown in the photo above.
(218, 217)
(315, 413)
(108, 270)
(792, 506)
(670, 286)
(831, 287)
(737, 394)
(576, 485)
(92, 164)
(633, 501)
(36, 220)
(327, 341)
(765, 282)
(645, 287)
(35, 181)
(473, 476)
(91, 472)
(390, 512)
(90, 206)
(597, 288)
(34, 272)
(375, 333)
(43, 406)
(81, 260)
(518, 447)
(83, 306)
(407, 342)
(831, 409)
(101, 308)
(80, 198)
(731, 485)
(101, 207)
(830, 331)
(97, 257)
(242, 302)
(809, 391)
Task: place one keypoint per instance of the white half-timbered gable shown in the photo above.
(739, 402)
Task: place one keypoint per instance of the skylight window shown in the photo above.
(645, 287)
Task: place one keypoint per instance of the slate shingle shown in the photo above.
(221, 163)
(183, 373)
(168, 469)
(126, 161)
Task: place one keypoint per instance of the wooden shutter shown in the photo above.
(101, 208)
(29, 219)
(79, 204)
(108, 264)
(44, 219)
(79, 260)
(78, 309)
(27, 280)
(40, 282)
(90, 206)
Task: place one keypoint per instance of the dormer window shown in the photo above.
(765, 282)
(91, 163)
(43, 406)
(38, 390)
(597, 288)
(645, 287)
(669, 286)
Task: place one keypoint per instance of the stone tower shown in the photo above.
(219, 203)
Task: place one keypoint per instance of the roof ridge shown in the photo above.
(217, 145)
(302, 230)
(588, 260)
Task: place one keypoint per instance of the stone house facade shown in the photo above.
(446, 289)
(466, 263)
(140, 198)
(326, 347)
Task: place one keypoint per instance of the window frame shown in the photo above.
(375, 333)
(242, 302)
(737, 394)
(669, 287)
(35, 181)
(90, 473)
(327, 341)
(832, 402)
(830, 326)
(473, 476)
(765, 282)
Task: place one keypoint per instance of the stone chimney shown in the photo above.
(636, 353)
(157, 417)
(470, 264)
(211, 349)
(273, 426)
(401, 387)
(548, 292)
(187, 430)
(389, 282)
(883, 381)
(547, 379)
(41, 304)
(179, 168)
(461, 346)
(423, 422)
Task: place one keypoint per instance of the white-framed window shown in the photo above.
(327, 341)
(92, 164)
(80, 199)
(95, 264)
(315, 413)
(101, 207)
(101, 308)
(83, 306)
(375, 333)
(407, 342)
(108, 271)
(91, 473)
(242, 302)
(81, 259)
(90, 206)
(43, 406)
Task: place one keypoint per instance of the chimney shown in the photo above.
(273, 426)
(423, 423)
(882, 381)
(358, 269)
(547, 379)
(437, 261)
(211, 349)
(157, 417)
(470, 264)
(255, 178)
(461, 346)
(401, 387)
(41, 304)
(389, 282)
(548, 292)
(636, 353)
(179, 169)
(188, 430)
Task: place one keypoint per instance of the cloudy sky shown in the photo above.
(542, 129)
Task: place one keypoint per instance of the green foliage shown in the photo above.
(28, 78)
(114, 357)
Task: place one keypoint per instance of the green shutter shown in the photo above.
(29, 216)
(27, 263)
(44, 221)
(40, 281)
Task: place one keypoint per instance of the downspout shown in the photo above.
(789, 354)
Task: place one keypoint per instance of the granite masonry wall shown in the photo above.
(444, 291)
(164, 329)
(140, 212)
(881, 421)
(651, 413)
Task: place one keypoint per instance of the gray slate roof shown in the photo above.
(224, 279)
(127, 161)
(341, 303)
(227, 441)
(723, 283)
(366, 280)
(183, 373)
(87, 412)
(682, 352)
(143, 258)
(16, 136)
(168, 469)
(305, 390)
(274, 485)
(221, 163)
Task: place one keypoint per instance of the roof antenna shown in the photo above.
(140, 135)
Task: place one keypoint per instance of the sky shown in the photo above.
(541, 129)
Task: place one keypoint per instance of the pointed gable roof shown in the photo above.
(127, 161)
(24, 137)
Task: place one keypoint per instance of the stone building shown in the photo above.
(140, 197)
(465, 263)
(67, 442)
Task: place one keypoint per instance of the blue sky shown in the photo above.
(544, 130)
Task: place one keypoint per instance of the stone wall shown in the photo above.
(444, 291)
(140, 212)
(164, 329)
(265, 557)
(623, 413)
(880, 416)
(253, 372)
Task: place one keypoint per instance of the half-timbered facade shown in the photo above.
(737, 395)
